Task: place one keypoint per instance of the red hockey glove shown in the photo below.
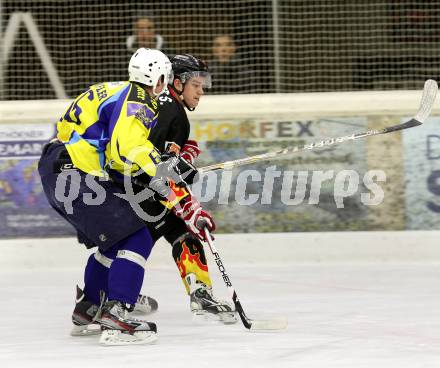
(190, 151)
(196, 219)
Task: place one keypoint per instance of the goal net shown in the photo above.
(54, 49)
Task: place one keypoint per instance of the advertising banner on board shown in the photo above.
(422, 176)
(316, 190)
(24, 210)
(380, 183)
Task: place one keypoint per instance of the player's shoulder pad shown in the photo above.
(165, 99)
(168, 106)
(139, 96)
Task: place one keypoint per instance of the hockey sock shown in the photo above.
(96, 274)
(127, 270)
(190, 257)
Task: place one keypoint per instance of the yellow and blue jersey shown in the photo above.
(109, 125)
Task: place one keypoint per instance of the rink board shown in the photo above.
(232, 127)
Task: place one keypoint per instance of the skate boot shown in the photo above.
(83, 316)
(120, 329)
(206, 306)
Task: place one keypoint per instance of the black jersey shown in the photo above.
(173, 124)
(172, 127)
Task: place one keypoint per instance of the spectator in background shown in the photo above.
(228, 71)
(145, 35)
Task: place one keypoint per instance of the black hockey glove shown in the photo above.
(179, 170)
(167, 171)
(188, 171)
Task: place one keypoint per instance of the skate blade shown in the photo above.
(223, 318)
(117, 338)
(86, 330)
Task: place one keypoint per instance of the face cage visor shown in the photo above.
(206, 78)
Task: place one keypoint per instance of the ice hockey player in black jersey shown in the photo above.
(170, 135)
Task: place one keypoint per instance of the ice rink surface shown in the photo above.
(340, 315)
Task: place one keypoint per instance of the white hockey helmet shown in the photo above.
(148, 66)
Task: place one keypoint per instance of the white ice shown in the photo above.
(341, 314)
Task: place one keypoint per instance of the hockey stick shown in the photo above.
(426, 104)
(250, 324)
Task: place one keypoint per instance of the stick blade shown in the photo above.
(269, 324)
(428, 99)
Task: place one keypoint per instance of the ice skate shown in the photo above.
(120, 329)
(83, 316)
(204, 305)
(84, 313)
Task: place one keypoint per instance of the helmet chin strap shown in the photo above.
(179, 93)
